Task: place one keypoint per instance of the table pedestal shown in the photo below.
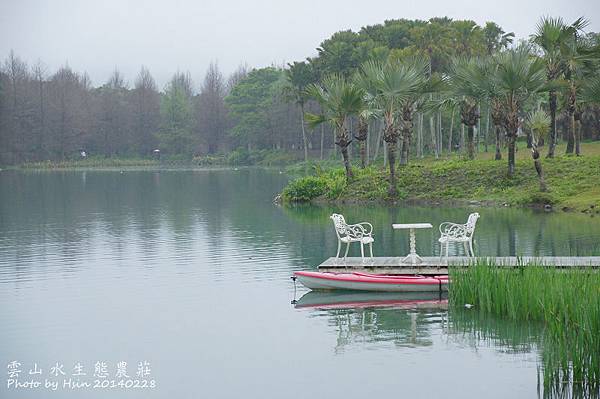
(412, 257)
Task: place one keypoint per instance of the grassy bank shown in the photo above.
(572, 182)
(239, 157)
(92, 162)
(567, 303)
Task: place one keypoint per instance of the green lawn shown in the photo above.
(573, 182)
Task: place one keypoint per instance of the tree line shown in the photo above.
(57, 115)
(559, 61)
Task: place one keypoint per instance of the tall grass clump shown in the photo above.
(566, 301)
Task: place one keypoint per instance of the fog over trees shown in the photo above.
(54, 115)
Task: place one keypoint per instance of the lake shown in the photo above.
(180, 278)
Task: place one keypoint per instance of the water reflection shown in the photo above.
(191, 269)
(363, 317)
(420, 319)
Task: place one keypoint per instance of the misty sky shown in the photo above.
(166, 36)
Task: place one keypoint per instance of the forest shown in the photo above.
(57, 115)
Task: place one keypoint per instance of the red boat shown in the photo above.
(372, 282)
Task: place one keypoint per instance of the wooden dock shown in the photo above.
(437, 265)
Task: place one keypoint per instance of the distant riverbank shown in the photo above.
(239, 157)
(572, 183)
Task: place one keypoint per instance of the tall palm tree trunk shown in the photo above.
(512, 128)
(343, 142)
(571, 138)
(433, 136)
(487, 128)
(363, 154)
(462, 138)
(378, 142)
(538, 165)
(578, 132)
(498, 155)
(347, 165)
(304, 140)
(391, 139)
(362, 136)
(470, 141)
(392, 164)
(322, 140)
(553, 136)
(511, 154)
(450, 134)
(406, 136)
(440, 141)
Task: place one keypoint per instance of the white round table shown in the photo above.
(412, 256)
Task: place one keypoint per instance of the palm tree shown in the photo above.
(366, 114)
(413, 101)
(299, 75)
(518, 76)
(339, 99)
(493, 95)
(581, 61)
(538, 123)
(552, 36)
(591, 90)
(465, 83)
(495, 38)
(394, 84)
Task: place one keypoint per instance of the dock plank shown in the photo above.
(437, 265)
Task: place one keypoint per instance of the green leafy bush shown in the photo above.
(305, 189)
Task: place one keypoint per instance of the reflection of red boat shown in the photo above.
(372, 282)
(359, 300)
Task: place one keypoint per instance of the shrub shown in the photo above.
(305, 189)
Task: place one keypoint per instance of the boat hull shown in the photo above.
(372, 282)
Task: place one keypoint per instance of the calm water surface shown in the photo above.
(189, 271)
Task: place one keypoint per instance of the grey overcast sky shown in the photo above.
(98, 35)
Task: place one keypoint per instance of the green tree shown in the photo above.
(495, 38)
(176, 131)
(396, 87)
(249, 103)
(299, 75)
(339, 99)
(538, 123)
(552, 37)
(466, 86)
(581, 59)
(518, 76)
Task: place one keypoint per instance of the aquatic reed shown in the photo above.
(566, 301)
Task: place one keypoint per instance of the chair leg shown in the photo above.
(471, 248)
(362, 250)
(466, 246)
(447, 250)
(441, 250)
(347, 248)
(371, 248)
(339, 247)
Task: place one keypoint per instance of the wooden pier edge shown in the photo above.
(437, 265)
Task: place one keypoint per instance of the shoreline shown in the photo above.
(572, 183)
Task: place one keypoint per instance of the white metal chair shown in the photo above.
(347, 233)
(458, 233)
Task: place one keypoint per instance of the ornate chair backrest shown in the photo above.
(341, 227)
(471, 222)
